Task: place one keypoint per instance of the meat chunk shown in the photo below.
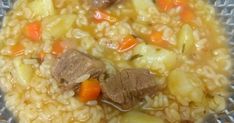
(74, 67)
(103, 3)
(128, 87)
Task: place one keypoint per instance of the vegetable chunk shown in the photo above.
(42, 8)
(89, 90)
(58, 47)
(156, 38)
(33, 31)
(165, 5)
(24, 72)
(58, 25)
(159, 61)
(143, 7)
(17, 49)
(185, 87)
(185, 39)
(128, 43)
(138, 117)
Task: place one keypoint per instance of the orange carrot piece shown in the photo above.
(101, 15)
(33, 31)
(165, 5)
(156, 38)
(89, 90)
(17, 49)
(58, 48)
(187, 15)
(128, 43)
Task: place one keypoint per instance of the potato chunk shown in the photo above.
(185, 39)
(138, 117)
(143, 7)
(24, 72)
(186, 87)
(157, 60)
(57, 25)
(42, 8)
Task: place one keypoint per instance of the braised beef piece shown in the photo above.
(104, 3)
(128, 87)
(74, 65)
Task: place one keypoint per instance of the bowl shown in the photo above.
(225, 14)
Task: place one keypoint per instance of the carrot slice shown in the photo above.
(101, 15)
(33, 31)
(17, 49)
(165, 5)
(187, 15)
(128, 43)
(156, 38)
(89, 90)
(58, 48)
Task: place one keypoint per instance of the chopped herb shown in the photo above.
(135, 57)
(183, 48)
